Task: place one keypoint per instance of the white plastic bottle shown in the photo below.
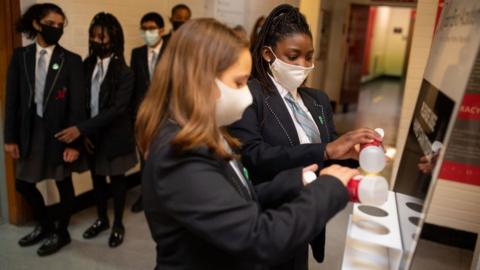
(370, 189)
(372, 155)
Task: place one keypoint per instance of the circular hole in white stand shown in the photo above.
(415, 206)
(373, 211)
(371, 226)
(414, 220)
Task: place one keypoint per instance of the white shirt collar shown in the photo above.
(105, 61)
(281, 90)
(49, 49)
(157, 48)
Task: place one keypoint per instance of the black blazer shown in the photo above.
(166, 38)
(63, 100)
(270, 143)
(139, 66)
(112, 128)
(202, 217)
(270, 140)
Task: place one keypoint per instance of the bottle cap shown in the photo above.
(380, 132)
(309, 177)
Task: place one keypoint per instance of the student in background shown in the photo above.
(289, 125)
(109, 131)
(45, 93)
(143, 62)
(201, 209)
(180, 14)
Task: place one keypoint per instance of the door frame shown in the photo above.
(17, 208)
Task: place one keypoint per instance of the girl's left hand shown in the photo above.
(70, 155)
(68, 135)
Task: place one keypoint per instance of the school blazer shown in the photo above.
(63, 99)
(270, 144)
(112, 128)
(202, 217)
(139, 66)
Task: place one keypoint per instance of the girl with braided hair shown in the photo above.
(108, 132)
(289, 125)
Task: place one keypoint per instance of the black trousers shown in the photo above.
(118, 184)
(55, 218)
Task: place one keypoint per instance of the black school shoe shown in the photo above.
(54, 243)
(97, 227)
(36, 236)
(116, 237)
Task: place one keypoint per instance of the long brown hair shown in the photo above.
(183, 87)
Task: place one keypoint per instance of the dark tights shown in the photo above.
(43, 215)
(119, 189)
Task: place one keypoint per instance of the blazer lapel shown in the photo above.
(89, 67)
(105, 87)
(235, 181)
(318, 113)
(247, 177)
(29, 61)
(55, 67)
(275, 104)
(144, 63)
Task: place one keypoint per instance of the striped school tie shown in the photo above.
(308, 126)
(40, 77)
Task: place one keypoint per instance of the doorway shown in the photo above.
(378, 44)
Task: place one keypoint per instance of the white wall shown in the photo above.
(256, 8)
(387, 54)
(128, 12)
(396, 43)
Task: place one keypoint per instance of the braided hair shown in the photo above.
(108, 22)
(36, 12)
(283, 21)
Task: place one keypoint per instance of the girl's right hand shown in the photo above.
(68, 135)
(344, 174)
(12, 150)
(347, 145)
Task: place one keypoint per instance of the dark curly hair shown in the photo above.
(283, 21)
(108, 22)
(36, 13)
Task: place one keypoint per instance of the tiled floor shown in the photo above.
(379, 106)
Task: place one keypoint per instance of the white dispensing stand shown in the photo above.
(373, 237)
(374, 233)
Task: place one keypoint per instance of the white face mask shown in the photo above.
(231, 104)
(151, 37)
(287, 75)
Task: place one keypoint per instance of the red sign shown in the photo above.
(470, 108)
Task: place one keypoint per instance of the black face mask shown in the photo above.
(177, 24)
(51, 35)
(100, 50)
